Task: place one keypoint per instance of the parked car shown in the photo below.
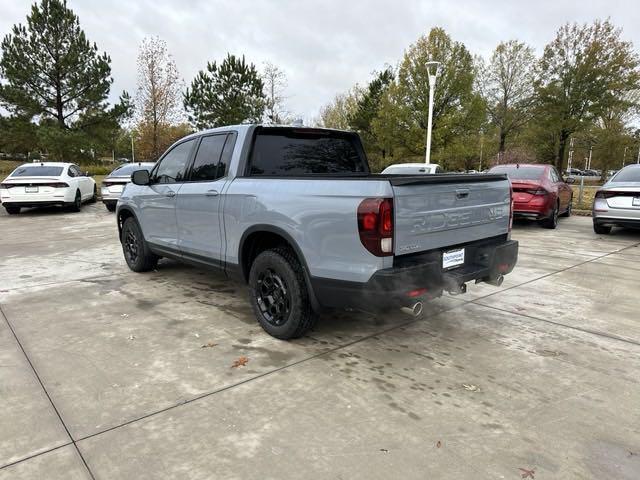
(573, 172)
(45, 184)
(114, 183)
(617, 202)
(412, 169)
(590, 173)
(539, 192)
(296, 213)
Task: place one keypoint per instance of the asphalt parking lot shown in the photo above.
(109, 374)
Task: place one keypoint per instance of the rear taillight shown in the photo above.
(510, 206)
(604, 194)
(537, 191)
(375, 225)
(58, 185)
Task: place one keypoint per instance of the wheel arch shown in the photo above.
(123, 214)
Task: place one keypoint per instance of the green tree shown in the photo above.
(584, 71)
(361, 120)
(225, 94)
(506, 83)
(338, 112)
(401, 122)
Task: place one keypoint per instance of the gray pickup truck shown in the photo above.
(297, 214)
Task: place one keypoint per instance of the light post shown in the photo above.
(624, 156)
(433, 68)
(481, 145)
(133, 152)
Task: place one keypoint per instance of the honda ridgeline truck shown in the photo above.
(297, 214)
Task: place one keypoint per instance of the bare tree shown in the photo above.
(507, 84)
(275, 82)
(158, 101)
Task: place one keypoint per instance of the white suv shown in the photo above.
(46, 184)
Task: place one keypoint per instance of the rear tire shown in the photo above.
(76, 206)
(552, 221)
(601, 229)
(279, 294)
(110, 206)
(94, 198)
(137, 253)
(12, 210)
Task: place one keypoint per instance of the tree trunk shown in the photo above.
(503, 141)
(564, 136)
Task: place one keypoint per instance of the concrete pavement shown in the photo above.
(104, 373)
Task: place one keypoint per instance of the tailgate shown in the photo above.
(446, 210)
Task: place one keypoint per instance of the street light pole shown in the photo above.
(432, 86)
(133, 152)
(624, 156)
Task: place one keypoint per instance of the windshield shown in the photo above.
(37, 171)
(519, 173)
(128, 169)
(627, 175)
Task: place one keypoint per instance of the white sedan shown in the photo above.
(412, 169)
(45, 184)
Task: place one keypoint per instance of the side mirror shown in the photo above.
(141, 177)
(570, 180)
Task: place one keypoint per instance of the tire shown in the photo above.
(601, 229)
(94, 198)
(567, 214)
(76, 206)
(552, 221)
(277, 274)
(12, 210)
(110, 206)
(137, 253)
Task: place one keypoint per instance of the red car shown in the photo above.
(539, 192)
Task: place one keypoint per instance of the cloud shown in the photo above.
(325, 47)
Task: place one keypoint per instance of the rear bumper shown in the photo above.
(35, 204)
(626, 222)
(423, 275)
(532, 213)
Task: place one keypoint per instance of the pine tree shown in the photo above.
(225, 94)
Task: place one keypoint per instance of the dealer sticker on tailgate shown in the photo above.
(453, 258)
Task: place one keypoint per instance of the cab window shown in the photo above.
(173, 165)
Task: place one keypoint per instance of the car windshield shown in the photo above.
(128, 169)
(627, 175)
(37, 171)
(519, 173)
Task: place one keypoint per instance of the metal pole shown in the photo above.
(624, 156)
(590, 152)
(638, 155)
(133, 152)
(481, 145)
(432, 86)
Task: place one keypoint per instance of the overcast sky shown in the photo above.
(324, 47)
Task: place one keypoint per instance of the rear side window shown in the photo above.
(206, 163)
(296, 152)
(37, 171)
(173, 165)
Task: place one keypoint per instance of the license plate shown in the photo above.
(452, 258)
(31, 189)
(636, 202)
(115, 189)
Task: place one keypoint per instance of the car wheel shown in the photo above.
(601, 229)
(94, 197)
(12, 210)
(137, 253)
(76, 206)
(569, 208)
(110, 206)
(279, 295)
(552, 221)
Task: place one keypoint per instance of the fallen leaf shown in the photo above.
(124, 315)
(384, 450)
(240, 362)
(131, 337)
(527, 473)
(471, 387)
(438, 444)
(209, 345)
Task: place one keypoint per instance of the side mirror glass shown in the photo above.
(141, 177)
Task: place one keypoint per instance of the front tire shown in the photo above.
(601, 229)
(279, 295)
(12, 210)
(110, 206)
(94, 197)
(137, 253)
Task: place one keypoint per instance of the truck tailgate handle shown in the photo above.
(462, 193)
(211, 193)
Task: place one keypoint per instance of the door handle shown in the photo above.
(211, 193)
(170, 193)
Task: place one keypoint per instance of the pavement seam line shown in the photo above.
(24, 459)
(265, 374)
(53, 405)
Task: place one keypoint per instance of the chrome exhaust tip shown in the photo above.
(414, 310)
(496, 281)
